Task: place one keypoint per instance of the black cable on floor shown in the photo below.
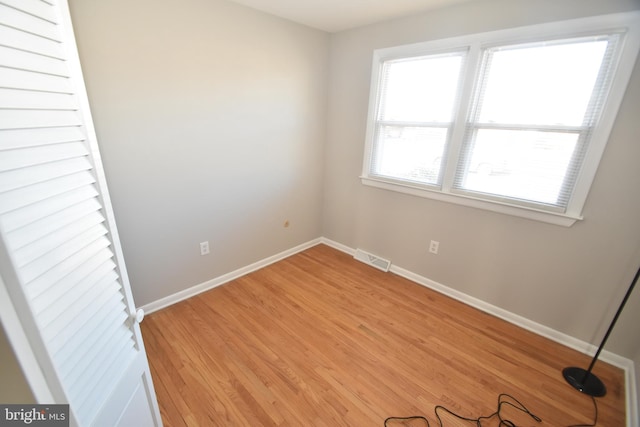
(503, 399)
(595, 417)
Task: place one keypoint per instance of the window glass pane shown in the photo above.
(420, 89)
(525, 165)
(410, 153)
(549, 84)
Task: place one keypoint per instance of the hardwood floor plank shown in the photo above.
(321, 339)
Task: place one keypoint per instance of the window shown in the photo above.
(513, 121)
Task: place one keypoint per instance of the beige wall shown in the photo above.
(191, 98)
(569, 279)
(211, 119)
(13, 384)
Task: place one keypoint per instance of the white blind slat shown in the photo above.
(22, 197)
(23, 138)
(29, 61)
(110, 315)
(50, 214)
(21, 119)
(101, 367)
(26, 99)
(72, 245)
(74, 368)
(14, 159)
(79, 312)
(81, 296)
(30, 42)
(43, 283)
(103, 273)
(26, 22)
(73, 363)
(47, 243)
(65, 286)
(18, 178)
(19, 79)
(34, 7)
(122, 354)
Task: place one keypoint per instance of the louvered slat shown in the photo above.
(14, 38)
(29, 23)
(20, 79)
(25, 119)
(16, 199)
(23, 138)
(49, 215)
(100, 369)
(15, 159)
(40, 247)
(27, 99)
(43, 283)
(115, 369)
(67, 288)
(75, 368)
(75, 314)
(64, 252)
(72, 363)
(28, 61)
(108, 315)
(59, 329)
(19, 178)
(36, 8)
(103, 273)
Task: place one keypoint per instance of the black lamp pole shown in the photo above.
(583, 380)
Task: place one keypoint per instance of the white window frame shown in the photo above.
(627, 24)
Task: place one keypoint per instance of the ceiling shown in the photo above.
(338, 15)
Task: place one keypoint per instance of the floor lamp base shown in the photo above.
(584, 381)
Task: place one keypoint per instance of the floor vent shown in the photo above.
(372, 260)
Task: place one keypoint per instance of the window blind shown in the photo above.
(418, 97)
(532, 118)
(532, 112)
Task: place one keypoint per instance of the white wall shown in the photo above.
(569, 279)
(636, 361)
(211, 120)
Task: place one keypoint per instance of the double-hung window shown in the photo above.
(513, 121)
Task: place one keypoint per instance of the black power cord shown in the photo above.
(595, 416)
(503, 399)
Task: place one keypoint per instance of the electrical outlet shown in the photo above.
(204, 248)
(434, 246)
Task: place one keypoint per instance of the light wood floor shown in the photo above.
(319, 339)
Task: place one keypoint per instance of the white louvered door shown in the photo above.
(63, 278)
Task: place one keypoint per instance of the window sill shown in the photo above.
(564, 220)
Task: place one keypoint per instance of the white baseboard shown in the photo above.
(338, 246)
(221, 280)
(631, 391)
(623, 363)
(627, 365)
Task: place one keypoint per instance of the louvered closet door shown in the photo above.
(61, 261)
